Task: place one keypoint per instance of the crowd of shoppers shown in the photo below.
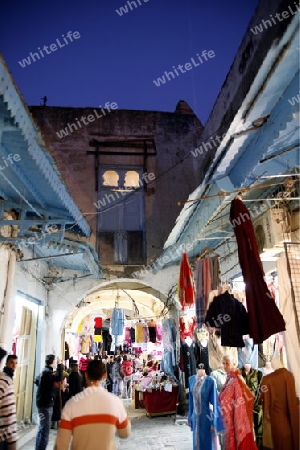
(82, 399)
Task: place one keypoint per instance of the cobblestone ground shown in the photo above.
(157, 433)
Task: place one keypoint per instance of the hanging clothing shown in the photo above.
(220, 378)
(117, 322)
(152, 334)
(280, 411)
(188, 363)
(139, 332)
(207, 278)
(168, 361)
(186, 327)
(202, 355)
(145, 333)
(158, 329)
(85, 344)
(132, 334)
(98, 322)
(202, 396)
(186, 291)
(237, 403)
(228, 314)
(264, 316)
(248, 354)
(253, 381)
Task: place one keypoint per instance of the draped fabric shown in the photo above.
(186, 292)
(237, 403)
(280, 410)
(259, 299)
(202, 419)
(207, 278)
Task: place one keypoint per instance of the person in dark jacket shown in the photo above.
(45, 399)
(75, 381)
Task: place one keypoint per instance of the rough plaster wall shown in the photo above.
(175, 135)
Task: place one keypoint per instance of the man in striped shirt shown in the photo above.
(92, 417)
(8, 420)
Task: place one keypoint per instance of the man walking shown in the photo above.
(45, 400)
(8, 420)
(92, 417)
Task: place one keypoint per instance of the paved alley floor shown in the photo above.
(157, 433)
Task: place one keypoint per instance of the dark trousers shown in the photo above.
(42, 437)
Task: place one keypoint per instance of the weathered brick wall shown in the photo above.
(175, 135)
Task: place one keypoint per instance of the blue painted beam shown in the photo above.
(18, 171)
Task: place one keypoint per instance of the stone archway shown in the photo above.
(143, 301)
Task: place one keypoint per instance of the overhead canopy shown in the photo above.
(261, 156)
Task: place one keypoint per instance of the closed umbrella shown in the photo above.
(264, 316)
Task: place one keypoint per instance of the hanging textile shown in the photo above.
(207, 278)
(117, 322)
(204, 415)
(264, 316)
(280, 410)
(292, 338)
(186, 292)
(228, 314)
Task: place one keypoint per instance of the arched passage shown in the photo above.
(138, 299)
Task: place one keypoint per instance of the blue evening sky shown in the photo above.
(117, 57)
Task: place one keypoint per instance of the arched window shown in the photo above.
(132, 179)
(110, 178)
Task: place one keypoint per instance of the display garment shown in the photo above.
(145, 333)
(202, 394)
(220, 377)
(98, 322)
(152, 331)
(264, 316)
(216, 351)
(117, 322)
(248, 354)
(280, 411)
(253, 380)
(85, 344)
(139, 332)
(186, 327)
(202, 355)
(228, 314)
(291, 336)
(168, 361)
(186, 291)
(188, 359)
(158, 329)
(237, 403)
(152, 334)
(132, 334)
(127, 339)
